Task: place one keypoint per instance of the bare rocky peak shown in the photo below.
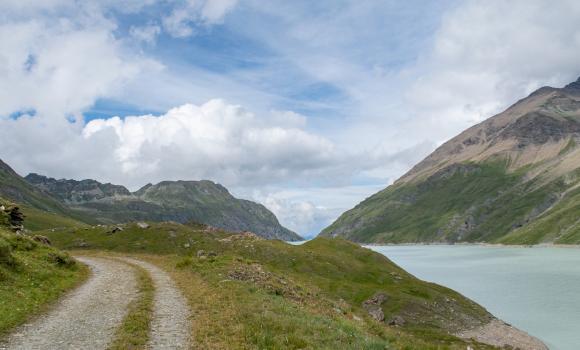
(73, 191)
(533, 130)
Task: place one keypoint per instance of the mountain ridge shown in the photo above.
(500, 181)
(202, 201)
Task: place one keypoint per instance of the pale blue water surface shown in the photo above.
(534, 289)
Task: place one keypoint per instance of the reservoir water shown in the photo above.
(534, 289)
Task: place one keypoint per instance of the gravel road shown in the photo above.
(170, 326)
(85, 318)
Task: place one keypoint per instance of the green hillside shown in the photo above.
(42, 210)
(248, 292)
(32, 274)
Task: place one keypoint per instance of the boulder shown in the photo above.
(374, 306)
(397, 321)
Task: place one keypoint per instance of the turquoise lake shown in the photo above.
(534, 289)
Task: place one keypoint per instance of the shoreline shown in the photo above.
(464, 244)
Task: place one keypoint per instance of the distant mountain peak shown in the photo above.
(574, 85)
(182, 201)
(6, 168)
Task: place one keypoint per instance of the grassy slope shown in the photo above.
(493, 200)
(43, 211)
(271, 295)
(559, 224)
(37, 220)
(31, 277)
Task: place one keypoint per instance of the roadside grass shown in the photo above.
(133, 333)
(32, 277)
(248, 293)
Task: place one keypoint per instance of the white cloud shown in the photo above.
(215, 140)
(60, 66)
(181, 22)
(147, 34)
(487, 55)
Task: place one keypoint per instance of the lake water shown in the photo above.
(534, 289)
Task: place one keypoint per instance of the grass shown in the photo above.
(17, 189)
(486, 197)
(37, 220)
(560, 224)
(32, 277)
(133, 334)
(259, 294)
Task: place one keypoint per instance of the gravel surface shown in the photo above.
(500, 334)
(85, 318)
(170, 326)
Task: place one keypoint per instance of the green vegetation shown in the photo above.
(32, 276)
(559, 224)
(133, 333)
(37, 220)
(463, 202)
(249, 293)
(44, 209)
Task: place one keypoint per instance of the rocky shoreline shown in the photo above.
(500, 334)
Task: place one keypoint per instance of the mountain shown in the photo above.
(42, 209)
(512, 179)
(181, 201)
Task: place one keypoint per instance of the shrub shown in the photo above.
(61, 259)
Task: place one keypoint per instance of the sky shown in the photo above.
(307, 107)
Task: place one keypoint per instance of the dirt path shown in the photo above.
(170, 324)
(87, 317)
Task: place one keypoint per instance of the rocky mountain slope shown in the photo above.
(513, 178)
(181, 201)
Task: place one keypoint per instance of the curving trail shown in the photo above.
(170, 324)
(85, 318)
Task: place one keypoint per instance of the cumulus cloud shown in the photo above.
(215, 140)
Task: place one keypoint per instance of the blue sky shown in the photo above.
(307, 107)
